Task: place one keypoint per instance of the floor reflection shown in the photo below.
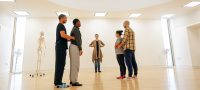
(171, 79)
(98, 84)
(15, 82)
(149, 79)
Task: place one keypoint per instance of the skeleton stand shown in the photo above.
(41, 52)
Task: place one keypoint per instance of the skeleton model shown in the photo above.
(41, 53)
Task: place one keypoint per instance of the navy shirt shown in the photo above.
(61, 42)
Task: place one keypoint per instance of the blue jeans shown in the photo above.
(128, 57)
(134, 63)
(97, 65)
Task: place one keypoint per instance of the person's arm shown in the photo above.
(78, 39)
(124, 40)
(91, 44)
(116, 45)
(65, 36)
(102, 44)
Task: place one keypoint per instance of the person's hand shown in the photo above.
(72, 38)
(102, 46)
(119, 46)
(116, 46)
(81, 53)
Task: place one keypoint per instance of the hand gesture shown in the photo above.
(81, 53)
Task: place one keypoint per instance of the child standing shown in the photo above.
(120, 55)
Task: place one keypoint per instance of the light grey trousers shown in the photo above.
(74, 54)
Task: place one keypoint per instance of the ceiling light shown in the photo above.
(7, 0)
(168, 16)
(135, 15)
(65, 13)
(22, 13)
(193, 4)
(100, 14)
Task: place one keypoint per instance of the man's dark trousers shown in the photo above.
(128, 56)
(59, 64)
(134, 63)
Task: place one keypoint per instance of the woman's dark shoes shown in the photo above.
(75, 84)
(99, 71)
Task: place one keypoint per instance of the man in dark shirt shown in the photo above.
(75, 51)
(61, 48)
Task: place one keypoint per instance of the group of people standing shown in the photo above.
(124, 47)
(125, 52)
(75, 51)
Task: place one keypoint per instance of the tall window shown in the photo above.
(168, 45)
(18, 45)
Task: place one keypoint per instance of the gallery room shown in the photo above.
(100, 44)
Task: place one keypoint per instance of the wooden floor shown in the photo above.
(149, 79)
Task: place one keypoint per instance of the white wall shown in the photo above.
(180, 37)
(6, 33)
(148, 39)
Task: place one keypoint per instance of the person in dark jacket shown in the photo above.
(60, 49)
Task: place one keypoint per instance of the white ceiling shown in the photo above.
(108, 5)
(115, 8)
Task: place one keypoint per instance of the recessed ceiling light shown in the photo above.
(7, 0)
(100, 14)
(21, 13)
(193, 4)
(135, 15)
(168, 16)
(65, 13)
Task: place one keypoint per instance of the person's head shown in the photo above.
(41, 34)
(62, 18)
(97, 36)
(119, 33)
(77, 22)
(126, 24)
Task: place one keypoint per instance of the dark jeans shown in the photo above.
(97, 65)
(121, 62)
(59, 64)
(128, 58)
(134, 63)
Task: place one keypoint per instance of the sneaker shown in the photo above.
(120, 77)
(135, 76)
(129, 77)
(123, 77)
(62, 86)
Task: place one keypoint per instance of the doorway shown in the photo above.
(194, 43)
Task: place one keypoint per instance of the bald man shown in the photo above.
(128, 43)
